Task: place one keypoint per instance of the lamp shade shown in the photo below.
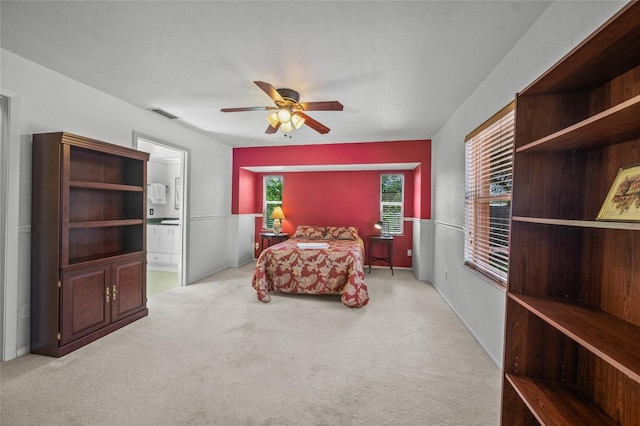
(297, 121)
(277, 213)
(287, 127)
(273, 119)
(378, 224)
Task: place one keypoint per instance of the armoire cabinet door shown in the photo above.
(85, 305)
(128, 287)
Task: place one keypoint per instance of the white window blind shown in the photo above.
(272, 198)
(392, 203)
(488, 177)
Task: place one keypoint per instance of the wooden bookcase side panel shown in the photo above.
(45, 232)
(544, 260)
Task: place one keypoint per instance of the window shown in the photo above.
(488, 164)
(272, 198)
(392, 203)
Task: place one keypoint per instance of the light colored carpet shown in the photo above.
(210, 353)
(159, 282)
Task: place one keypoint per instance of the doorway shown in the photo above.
(167, 208)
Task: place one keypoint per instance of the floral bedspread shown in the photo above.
(338, 269)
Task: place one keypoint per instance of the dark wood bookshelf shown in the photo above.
(88, 274)
(572, 325)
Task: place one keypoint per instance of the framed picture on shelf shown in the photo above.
(623, 201)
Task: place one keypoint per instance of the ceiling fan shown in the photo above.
(287, 113)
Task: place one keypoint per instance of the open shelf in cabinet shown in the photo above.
(616, 124)
(553, 403)
(94, 205)
(608, 337)
(98, 241)
(87, 165)
(550, 362)
(603, 55)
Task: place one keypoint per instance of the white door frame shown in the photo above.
(184, 212)
(9, 224)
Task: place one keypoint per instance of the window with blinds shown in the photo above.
(392, 203)
(488, 177)
(272, 198)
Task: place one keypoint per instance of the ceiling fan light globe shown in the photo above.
(297, 121)
(287, 127)
(273, 119)
(284, 115)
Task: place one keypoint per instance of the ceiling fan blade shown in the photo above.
(270, 130)
(263, 108)
(269, 90)
(315, 125)
(322, 106)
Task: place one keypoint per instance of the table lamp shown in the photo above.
(277, 214)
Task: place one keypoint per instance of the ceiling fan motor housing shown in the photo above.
(289, 95)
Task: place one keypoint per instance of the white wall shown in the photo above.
(51, 102)
(478, 303)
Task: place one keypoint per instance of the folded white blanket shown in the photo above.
(313, 245)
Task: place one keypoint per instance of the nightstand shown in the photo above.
(271, 239)
(381, 240)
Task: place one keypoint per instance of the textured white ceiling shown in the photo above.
(399, 68)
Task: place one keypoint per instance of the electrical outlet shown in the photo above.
(26, 311)
(409, 253)
(150, 212)
(257, 246)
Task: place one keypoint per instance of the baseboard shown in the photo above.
(23, 350)
(498, 363)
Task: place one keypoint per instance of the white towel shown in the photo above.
(157, 193)
(304, 246)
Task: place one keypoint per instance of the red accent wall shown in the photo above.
(339, 198)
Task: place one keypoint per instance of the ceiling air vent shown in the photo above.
(163, 113)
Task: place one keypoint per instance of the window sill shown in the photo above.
(497, 284)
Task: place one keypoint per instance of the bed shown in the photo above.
(315, 260)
